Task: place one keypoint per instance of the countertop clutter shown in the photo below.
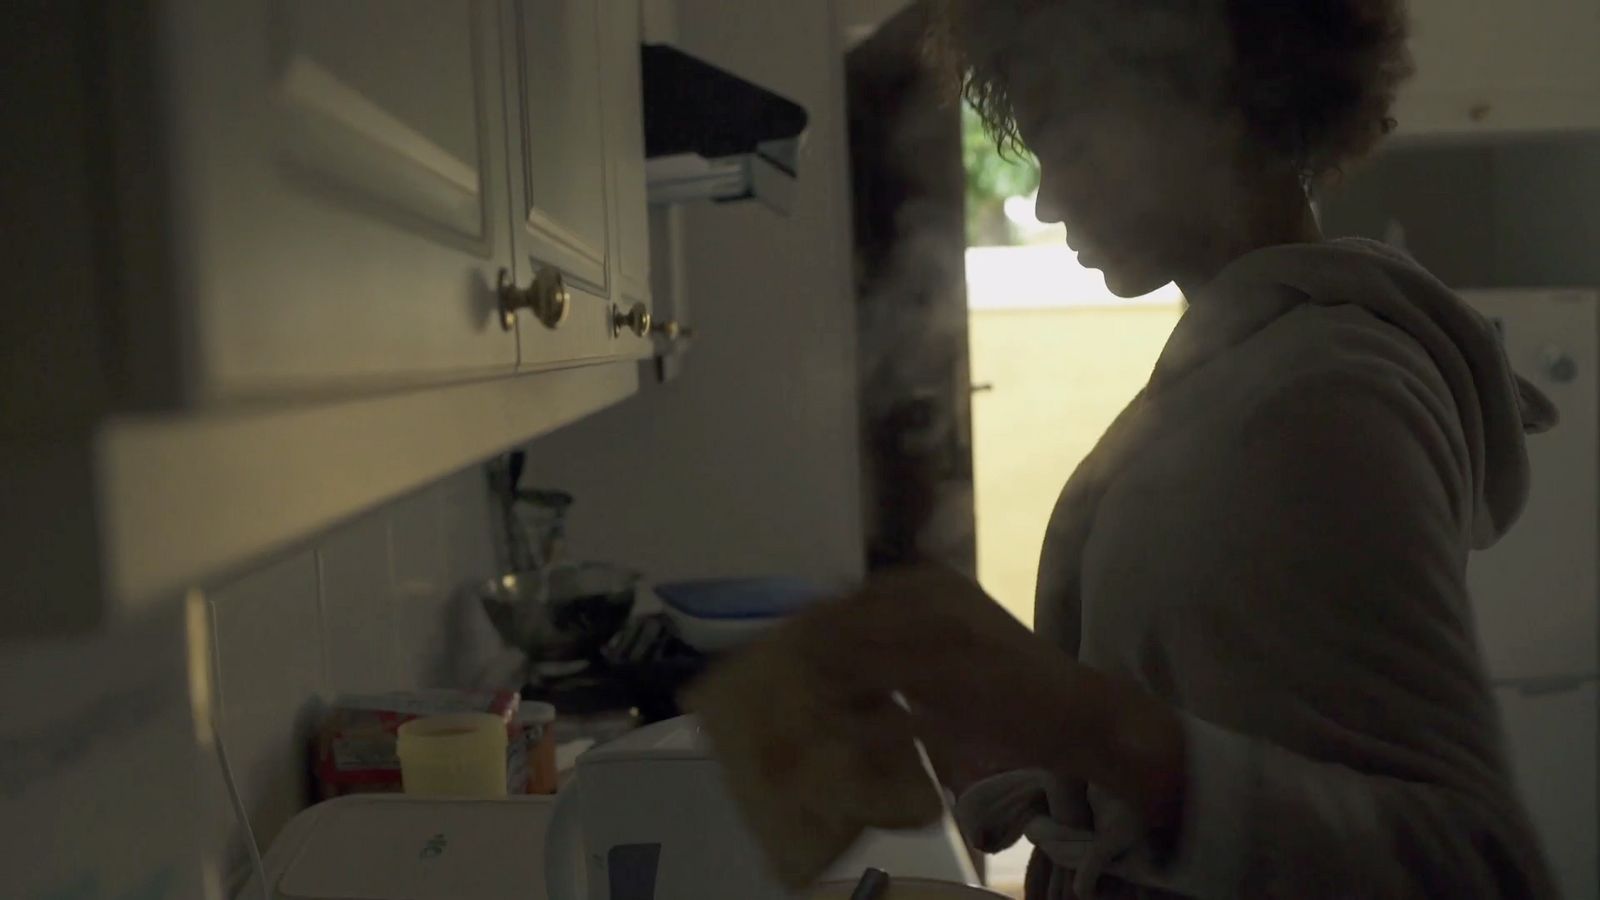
(642, 806)
(599, 641)
(647, 815)
(642, 802)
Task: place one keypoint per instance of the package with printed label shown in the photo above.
(355, 752)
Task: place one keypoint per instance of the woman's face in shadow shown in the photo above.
(1148, 189)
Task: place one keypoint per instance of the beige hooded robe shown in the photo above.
(1274, 538)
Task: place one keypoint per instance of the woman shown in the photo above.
(1255, 671)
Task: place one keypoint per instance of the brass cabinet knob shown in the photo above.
(547, 298)
(636, 319)
(671, 330)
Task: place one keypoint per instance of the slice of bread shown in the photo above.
(809, 771)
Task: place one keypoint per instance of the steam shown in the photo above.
(912, 332)
(911, 321)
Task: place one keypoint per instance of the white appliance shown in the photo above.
(648, 817)
(395, 847)
(1536, 595)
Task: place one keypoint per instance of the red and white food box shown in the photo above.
(355, 751)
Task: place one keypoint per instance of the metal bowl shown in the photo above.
(561, 613)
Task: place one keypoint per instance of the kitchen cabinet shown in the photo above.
(579, 213)
(561, 215)
(563, 219)
(268, 256)
(336, 212)
(1487, 67)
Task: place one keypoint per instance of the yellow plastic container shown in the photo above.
(462, 755)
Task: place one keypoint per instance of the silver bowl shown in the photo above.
(562, 613)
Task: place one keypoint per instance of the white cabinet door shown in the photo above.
(1487, 66)
(1536, 594)
(1553, 752)
(624, 105)
(338, 187)
(560, 179)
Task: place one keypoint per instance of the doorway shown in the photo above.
(1055, 356)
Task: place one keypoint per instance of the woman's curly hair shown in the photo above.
(1313, 81)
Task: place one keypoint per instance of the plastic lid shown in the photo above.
(747, 598)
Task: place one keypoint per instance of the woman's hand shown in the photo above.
(986, 695)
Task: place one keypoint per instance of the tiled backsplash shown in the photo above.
(375, 604)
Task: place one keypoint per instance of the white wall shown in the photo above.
(372, 605)
(748, 463)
